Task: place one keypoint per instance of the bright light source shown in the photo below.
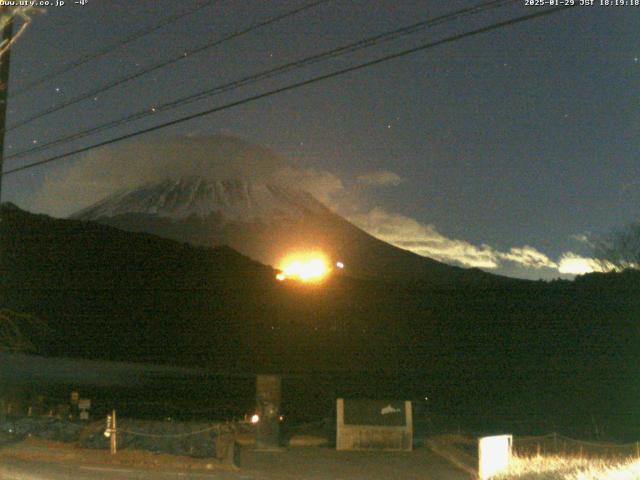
(305, 267)
(255, 418)
(339, 264)
(495, 454)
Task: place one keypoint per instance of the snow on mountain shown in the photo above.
(232, 200)
(264, 221)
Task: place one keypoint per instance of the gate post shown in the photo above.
(268, 394)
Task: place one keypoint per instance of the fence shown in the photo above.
(201, 440)
(177, 438)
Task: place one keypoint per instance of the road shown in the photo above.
(299, 464)
(17, 469)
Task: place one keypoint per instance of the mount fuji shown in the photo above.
(265, 221)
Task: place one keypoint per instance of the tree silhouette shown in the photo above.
(620, 250)
(17, 331)
(9, 14)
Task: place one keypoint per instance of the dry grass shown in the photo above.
(579, 460)
(547, 467)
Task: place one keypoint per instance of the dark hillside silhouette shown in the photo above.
(572, 348)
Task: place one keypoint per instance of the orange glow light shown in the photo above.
(305, 267)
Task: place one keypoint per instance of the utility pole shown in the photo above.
(7, 35)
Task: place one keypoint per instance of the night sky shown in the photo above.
(510, 151)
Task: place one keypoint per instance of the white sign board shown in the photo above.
(368, 424)
(84, 404)
(494, 455)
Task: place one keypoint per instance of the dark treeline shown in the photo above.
(506, 351)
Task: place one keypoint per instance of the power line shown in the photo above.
(7, 38)
(296, 85)
(349, 48)
(157, 66)
(100, 53)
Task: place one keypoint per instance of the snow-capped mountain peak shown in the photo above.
(231, 199)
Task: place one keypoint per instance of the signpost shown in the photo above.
(111, 432)
(268, 394)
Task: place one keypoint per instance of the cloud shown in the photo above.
(407, 233)
(323, 185)
(380, 178)
(582, 238)
(107, 170)
(528, 257)
(573, 264)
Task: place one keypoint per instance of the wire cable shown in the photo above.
(280, 70)
(216, 427)
(109, 48)
(296, 85)
(163, 64)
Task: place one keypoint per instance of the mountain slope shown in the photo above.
(520, 349)
(266, 221)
